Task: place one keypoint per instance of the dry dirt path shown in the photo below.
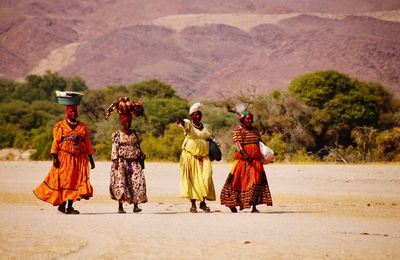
(319, 212)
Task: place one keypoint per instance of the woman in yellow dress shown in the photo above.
(195, 166)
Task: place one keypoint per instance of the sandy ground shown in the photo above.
(319, 212)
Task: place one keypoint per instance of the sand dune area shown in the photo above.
(320, 212)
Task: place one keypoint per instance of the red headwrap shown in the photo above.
(69, 108)
(125, 116)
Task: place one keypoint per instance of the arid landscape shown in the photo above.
(201, 48)
(206, 50)
(326, 211)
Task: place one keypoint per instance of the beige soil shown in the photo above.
(319, 212)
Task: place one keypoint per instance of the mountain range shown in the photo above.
(210, 49)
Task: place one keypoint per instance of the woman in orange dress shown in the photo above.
(246, 185)
(68, 179)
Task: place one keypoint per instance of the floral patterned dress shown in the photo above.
(127, 183)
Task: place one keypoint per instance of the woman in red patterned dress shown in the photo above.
(246, 185)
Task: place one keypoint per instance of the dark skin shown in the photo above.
(247, 123)
(196, 120)
(72, 116)
(126, 128)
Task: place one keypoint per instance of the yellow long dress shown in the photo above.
(195, 165)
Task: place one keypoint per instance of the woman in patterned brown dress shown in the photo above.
(127, 177)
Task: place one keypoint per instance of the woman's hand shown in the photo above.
(56, 162)
(269, 159)
(245, 155)
(92, 164)
(179, 121)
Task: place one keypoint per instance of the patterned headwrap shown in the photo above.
(196, 107)
(69, 108)
(124, 105)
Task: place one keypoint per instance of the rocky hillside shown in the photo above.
(206, 49)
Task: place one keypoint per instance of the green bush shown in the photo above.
(7, 135)
(389, 144)
(42, 140)
(302, 155)
(277, 144)
(166, 147)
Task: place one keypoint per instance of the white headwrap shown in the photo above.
(196, 107)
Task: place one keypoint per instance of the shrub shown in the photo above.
(389, 144)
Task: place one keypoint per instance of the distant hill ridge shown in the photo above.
(205, 50)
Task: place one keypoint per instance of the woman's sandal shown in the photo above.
(71, 210)
(193, 210)
(204, 207)
(255, 211)
(61, 208)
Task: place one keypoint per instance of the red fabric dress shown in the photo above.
(71, 180)
(247, 183)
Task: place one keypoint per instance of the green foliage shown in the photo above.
(303, 156)
(346, 100)
(279, 112)
(339, 104)
(162, 111)
(23, 140)
(26, 116)
(388, 143)
(103, 150)
(76, 83)
(42, 138)
(365, 138)
(316, 89)
(12, 112)
(222, 123)
(325, 113)
(101, 138)
(151, 89)
(277, 145)
(166, 147)
(7, 135)
(6, 87)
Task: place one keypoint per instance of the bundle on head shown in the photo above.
(124, 105)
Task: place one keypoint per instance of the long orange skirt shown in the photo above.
(68, 182)
(246, 184)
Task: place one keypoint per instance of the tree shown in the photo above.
(343, 102)
(161, 112)
(152, 88)
(7, 87)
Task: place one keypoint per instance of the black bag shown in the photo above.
(214, 151)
